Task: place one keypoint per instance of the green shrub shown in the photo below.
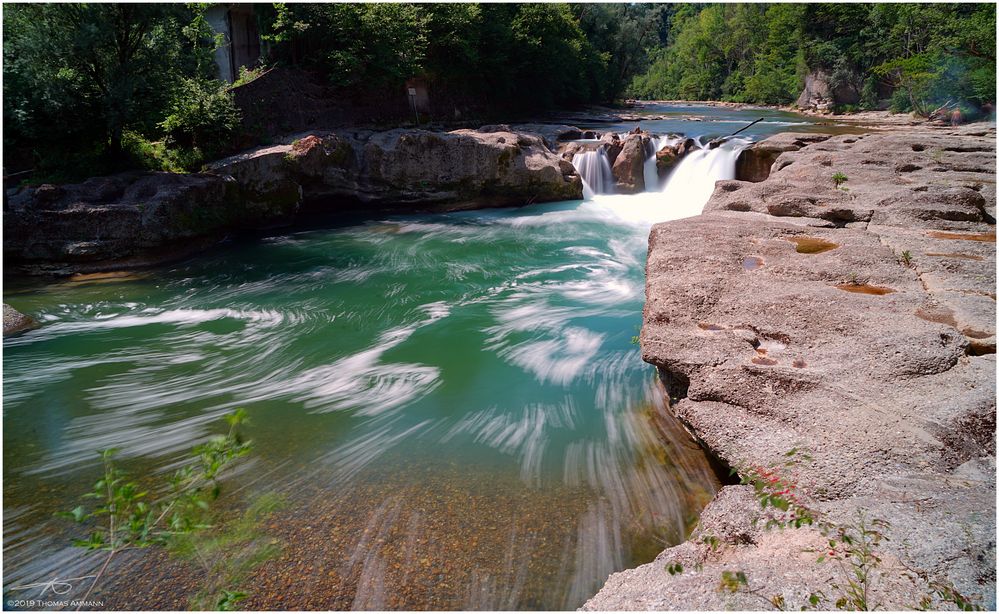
(203, 116)
(899, 102)
(157, 156)
(869, 93)
(126, 516)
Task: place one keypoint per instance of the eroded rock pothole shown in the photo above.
(981, 237)
(864, 289)
(812, 245)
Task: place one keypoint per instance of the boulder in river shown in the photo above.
(14, 321)
(685, 147)
(263, 177)
(612, 146)
(463, 167)
(666, 159)
(130, 218)
(397, 168)
(552, 134)
(629, 164)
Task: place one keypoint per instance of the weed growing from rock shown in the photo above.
(733, 581)
(853, 548)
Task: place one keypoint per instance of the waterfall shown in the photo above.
(656, 145)
(687, 188)
(594, 168)
(691, 183)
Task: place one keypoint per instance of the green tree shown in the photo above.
(373, 45)
(937, 53)
(497, 56)
(775, 78)
(624, 34)
(112, 58)
(79, 75)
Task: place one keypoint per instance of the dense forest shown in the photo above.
(914, 55)
(95, 87)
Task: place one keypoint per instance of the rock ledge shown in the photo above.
(854, 319)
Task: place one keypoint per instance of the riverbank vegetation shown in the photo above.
(909, 57)
(88, 87)
(505, 57)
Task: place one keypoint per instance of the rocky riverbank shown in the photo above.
(842, 304)
(139, 219)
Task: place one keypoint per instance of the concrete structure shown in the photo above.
(241, 40)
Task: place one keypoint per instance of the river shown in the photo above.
(452, 406)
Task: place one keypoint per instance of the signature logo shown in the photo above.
(59, 586)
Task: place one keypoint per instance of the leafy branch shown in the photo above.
(775, 490)
(125, 519)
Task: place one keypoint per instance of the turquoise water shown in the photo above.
(453, 406)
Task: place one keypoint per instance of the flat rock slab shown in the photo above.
(855, 321)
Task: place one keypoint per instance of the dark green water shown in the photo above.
(464, 387)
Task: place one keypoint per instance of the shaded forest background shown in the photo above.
(92, 88)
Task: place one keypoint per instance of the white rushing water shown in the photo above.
(693, 180)
(594, 169)
(684, 192)
(656, 144)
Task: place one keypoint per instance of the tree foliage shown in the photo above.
(79, 76)
(926, 53)
(489, 56)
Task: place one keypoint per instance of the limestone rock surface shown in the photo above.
(856, 322)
